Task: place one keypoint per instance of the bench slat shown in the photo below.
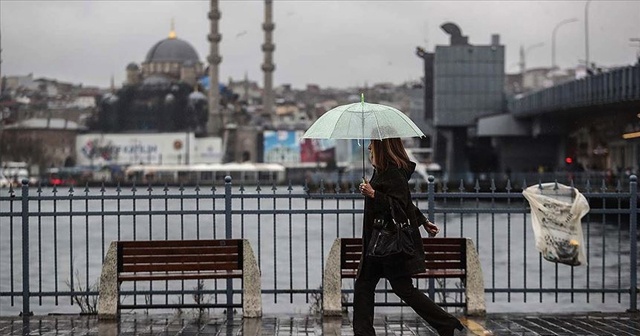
(179, 267)
(180, 243)
(170, 250)
(155, 259)
(180, 276)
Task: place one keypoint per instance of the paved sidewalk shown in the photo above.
(407, 324)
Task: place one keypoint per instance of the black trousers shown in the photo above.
(363, 303)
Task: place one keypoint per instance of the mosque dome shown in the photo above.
(172, 49)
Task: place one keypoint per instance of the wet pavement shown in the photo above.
(393, 324)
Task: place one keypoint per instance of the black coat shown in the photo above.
(391, 183)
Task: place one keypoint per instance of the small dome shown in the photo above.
(132, 66)
(172, 50)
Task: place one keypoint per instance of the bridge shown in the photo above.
(619, 87)
(587, 124)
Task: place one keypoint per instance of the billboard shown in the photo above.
(288, 147)
(100, 149)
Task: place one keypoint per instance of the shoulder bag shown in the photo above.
(392, 237)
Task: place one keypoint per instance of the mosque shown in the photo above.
(167, 113)
(162, 94)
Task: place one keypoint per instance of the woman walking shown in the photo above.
(389, 183)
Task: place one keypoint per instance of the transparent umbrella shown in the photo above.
(363, 121)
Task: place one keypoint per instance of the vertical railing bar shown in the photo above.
(134, 232)
(242, 213)
(55, 244)
(604, 246)
(493, 240)
(524, 243)
(197, 190)
(228, 235)
(86, 235)
(322, 229)
(102, 191)
(633, 232)
(306, 241)
(11, 248)
(26, 310)
(431, 206)
(619, 254)
(275, 247)
(71, 282)
(214, 231)
(39, 191)
(508, 189)
(166, 232)
(290, 245)
(181, 189)
(150, 208)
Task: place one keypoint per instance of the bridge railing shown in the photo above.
(614, 86)
(53, 242)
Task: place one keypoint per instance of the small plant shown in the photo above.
(443, 296)
(200, 299)
(88, 303)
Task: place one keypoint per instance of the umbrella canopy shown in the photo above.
(363, 121)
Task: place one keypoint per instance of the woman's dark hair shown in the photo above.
(389, 151)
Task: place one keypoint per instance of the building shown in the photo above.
(468, 84)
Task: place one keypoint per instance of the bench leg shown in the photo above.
(108, 295)
(332, 283)
(474, 287)
(251, 287)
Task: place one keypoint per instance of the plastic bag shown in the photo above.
(556, 211)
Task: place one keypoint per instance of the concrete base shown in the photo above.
(252, 289)
(332, 283)
(109, 292)
(332, 287)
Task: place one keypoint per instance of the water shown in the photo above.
(67, 250)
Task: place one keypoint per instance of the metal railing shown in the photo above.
(53, 242)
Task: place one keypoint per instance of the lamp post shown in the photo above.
(586, 33)
(553, 40)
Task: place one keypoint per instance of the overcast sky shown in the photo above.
(330, 43)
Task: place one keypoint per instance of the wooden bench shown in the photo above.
(444, 258)
(178, 260)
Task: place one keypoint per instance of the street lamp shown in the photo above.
(553, 40)
(586, 33)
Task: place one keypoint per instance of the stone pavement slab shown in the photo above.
(618, 324)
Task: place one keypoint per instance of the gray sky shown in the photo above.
(330, 43)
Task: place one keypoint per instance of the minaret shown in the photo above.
(214, 125)
(268, 47)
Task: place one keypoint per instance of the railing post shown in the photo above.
(633, 239)
(228, 234)
(26, 311)
(431, 212)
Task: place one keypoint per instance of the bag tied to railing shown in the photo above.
(556, 211)
(392, 237)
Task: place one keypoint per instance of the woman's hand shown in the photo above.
(366, 189)
(431, 228)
